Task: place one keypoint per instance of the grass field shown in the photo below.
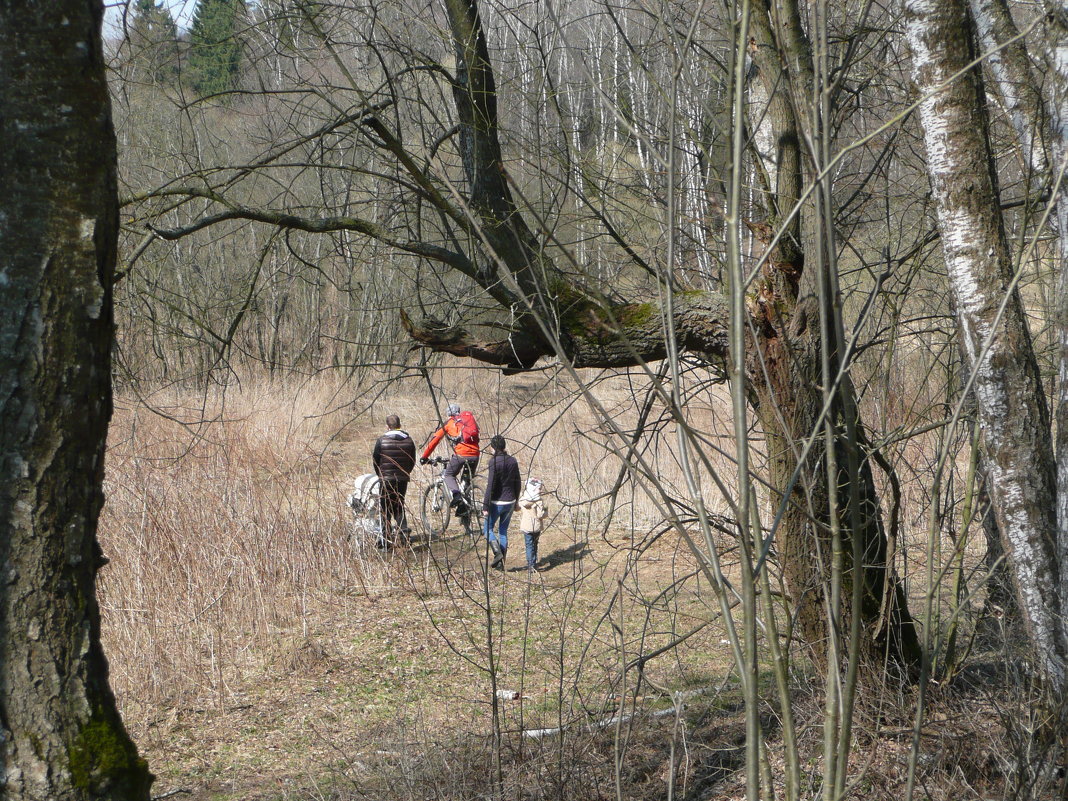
(260, 650)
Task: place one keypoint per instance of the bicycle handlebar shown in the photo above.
(437, 460)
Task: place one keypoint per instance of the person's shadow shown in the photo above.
(561, 556)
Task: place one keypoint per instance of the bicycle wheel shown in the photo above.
(435, 510)
(475, 493)
(473, 497)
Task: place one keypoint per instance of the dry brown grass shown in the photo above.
(245, 626)
(259, 651)
(208, 524)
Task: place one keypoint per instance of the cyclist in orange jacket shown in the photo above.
(462, 431)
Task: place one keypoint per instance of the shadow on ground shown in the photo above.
(564, 556)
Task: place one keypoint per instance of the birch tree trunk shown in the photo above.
(1010, 65)
(1057, 61)
(60, 732)
(1011, 404)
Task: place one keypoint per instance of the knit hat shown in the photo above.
(532, 491)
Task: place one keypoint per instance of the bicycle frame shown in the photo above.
(465, 479)
(436, 508)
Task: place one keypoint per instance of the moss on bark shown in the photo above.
(104, 761)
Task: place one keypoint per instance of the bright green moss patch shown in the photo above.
(581, 316)
(635, 314)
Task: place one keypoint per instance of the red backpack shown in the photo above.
(468, 428)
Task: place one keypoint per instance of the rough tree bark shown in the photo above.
(60, 732)
(1011, 402)
(784, 368)
(1010, 65)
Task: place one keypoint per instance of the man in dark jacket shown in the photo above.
(502, 491)
(393, 458)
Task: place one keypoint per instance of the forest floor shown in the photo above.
(259, 650)
(375, 672)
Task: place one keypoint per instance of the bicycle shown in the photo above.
(436, 509)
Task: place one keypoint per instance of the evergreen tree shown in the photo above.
(153, 37)
(214, 46)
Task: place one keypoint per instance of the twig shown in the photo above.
(604, 723)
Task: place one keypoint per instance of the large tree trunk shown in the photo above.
(784, 369)
(550, 312)
(784, 372)
(60, 733)
(783, 358)
(1012, 405)
(1009, 65)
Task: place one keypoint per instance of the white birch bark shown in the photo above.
(1057, 79)
(1012, 407)
(1010, 67)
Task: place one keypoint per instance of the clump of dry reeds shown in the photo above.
(223, 519)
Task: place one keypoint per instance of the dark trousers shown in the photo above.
(452, 470)
(392, 495)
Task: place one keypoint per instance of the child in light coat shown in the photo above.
(532, 511)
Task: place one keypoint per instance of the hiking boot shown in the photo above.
(498, 556)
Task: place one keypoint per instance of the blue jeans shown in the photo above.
(499, 516)
(532, 547)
